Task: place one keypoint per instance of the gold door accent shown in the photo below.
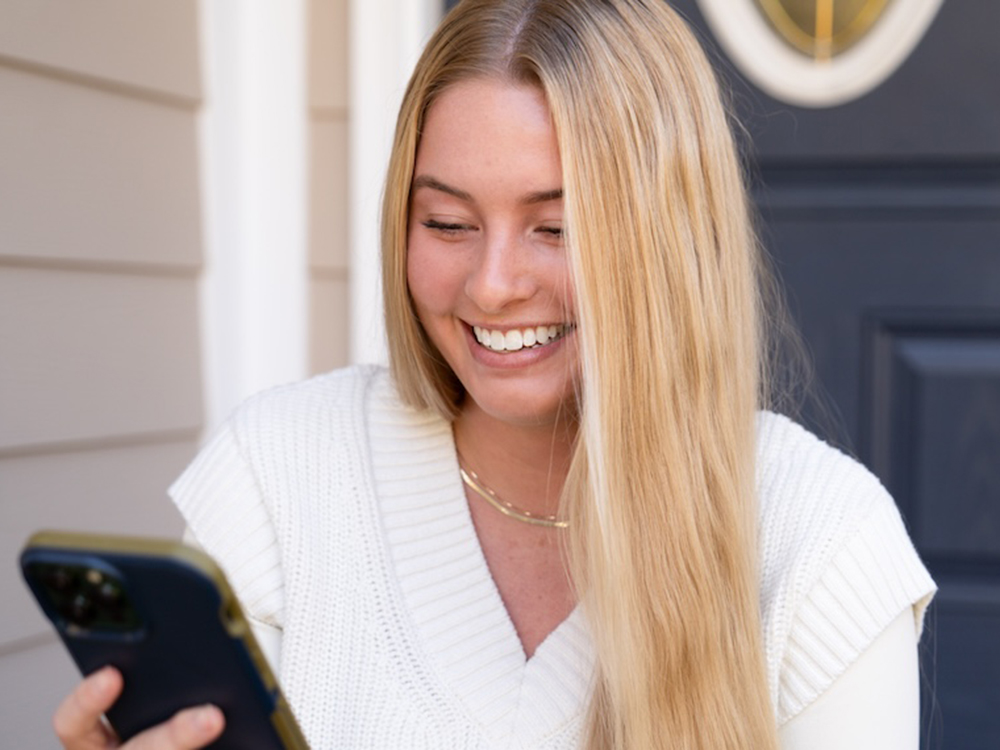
(822, 29)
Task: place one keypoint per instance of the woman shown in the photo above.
(561, 520)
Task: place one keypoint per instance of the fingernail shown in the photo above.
(206, 718)
(100, 681)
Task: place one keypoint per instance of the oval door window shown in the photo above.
(818, 53)
(822, 28)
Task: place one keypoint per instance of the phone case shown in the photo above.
(164, 615)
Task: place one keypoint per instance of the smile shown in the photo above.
(523, 338)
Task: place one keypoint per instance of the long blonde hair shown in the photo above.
(660, 494)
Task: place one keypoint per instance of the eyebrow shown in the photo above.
(426, 181)
(543, 196)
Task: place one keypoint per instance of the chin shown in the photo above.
(536, 409)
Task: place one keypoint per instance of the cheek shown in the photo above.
(417, 280)
(430, 279)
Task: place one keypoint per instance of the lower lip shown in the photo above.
(513, 360)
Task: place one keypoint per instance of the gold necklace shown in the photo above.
(475, 484)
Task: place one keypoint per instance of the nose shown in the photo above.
(502, 274)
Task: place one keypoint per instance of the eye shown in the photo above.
(446, 228)
(553, 232)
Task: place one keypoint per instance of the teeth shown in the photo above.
(517, 339)
(513, 341)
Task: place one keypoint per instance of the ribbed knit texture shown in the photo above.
(339, 516)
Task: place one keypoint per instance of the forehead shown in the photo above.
(483, 131)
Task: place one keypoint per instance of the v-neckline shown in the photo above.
(457, 614)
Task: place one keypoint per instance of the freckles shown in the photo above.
(430, 277)
(423, 297)
(418, 262)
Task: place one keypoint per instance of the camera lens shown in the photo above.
(113, 602)
(58, 578)
(80, 610)
(109, 594)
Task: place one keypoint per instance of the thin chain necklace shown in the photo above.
(475, 484)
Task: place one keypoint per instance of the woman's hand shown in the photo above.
(79, 725)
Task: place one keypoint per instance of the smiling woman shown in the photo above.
(650, 458)
(562, 519)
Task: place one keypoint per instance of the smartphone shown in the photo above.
(163, 614)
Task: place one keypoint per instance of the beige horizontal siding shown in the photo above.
(95, 356)
(100, 254)
(89, 175)
(152, 44)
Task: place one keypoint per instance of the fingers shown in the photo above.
(188, 729)
(77, 721)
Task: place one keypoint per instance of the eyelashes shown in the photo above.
(452, 230)
(446, 228)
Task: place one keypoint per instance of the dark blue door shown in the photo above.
(883, 217)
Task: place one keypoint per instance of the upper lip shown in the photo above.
(517, 326)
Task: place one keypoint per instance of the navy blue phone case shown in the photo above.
(193, 646)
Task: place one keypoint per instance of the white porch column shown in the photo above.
(253, 150)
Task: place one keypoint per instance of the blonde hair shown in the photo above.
(660, 494)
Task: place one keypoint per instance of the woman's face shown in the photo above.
(486, 265)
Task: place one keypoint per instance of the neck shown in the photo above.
(524, 464)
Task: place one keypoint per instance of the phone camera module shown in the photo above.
(88, 600)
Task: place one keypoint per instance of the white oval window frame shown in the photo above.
(788, 75)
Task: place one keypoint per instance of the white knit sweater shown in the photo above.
(339, 516)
